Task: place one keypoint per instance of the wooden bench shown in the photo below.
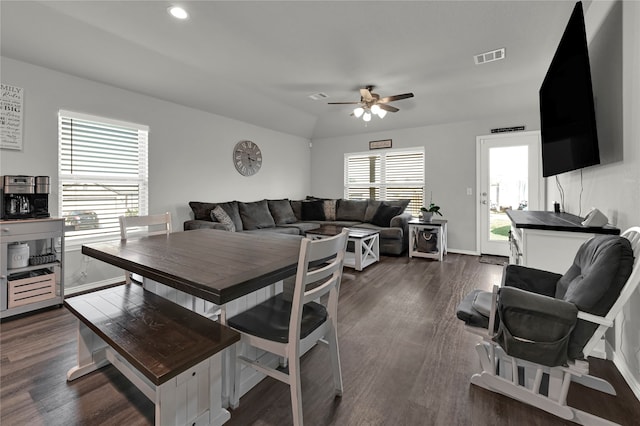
(169, 352)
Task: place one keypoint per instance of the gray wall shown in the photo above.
(450, 166)
(614, 187)
(189, 150)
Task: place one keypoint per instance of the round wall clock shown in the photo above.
(247, 158)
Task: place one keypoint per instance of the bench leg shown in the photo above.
(91, 353)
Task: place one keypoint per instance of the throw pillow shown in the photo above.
(281, 211)
(231, 207)
(201, 211)
(329, 209)
(352, 210)
(384, 214)
(221, 216)
(372, 208)
(313, 210)
(256, 215)
(296, 206)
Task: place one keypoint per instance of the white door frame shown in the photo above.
(536, 192)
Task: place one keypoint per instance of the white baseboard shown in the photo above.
(468, 252)
(627, 375)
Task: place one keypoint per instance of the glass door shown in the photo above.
(509, 178)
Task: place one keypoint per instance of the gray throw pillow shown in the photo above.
(281, 211)
(231, 207)
(256, 215)
(351, 210)
(221, 216)
(372, 208)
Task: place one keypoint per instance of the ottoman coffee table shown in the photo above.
(366, 246)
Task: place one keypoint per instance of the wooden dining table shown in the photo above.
(218, 266)
(233, 270)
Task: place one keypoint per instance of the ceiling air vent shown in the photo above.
(494, 55)
(318, 96)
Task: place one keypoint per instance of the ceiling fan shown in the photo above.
(371, 103)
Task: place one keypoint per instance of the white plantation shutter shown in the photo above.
(386, 175)
(103, 174)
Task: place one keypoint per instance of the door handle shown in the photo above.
(483, 202)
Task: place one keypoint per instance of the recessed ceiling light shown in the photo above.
(178, 12)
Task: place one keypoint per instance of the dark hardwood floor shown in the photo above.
(406, 360)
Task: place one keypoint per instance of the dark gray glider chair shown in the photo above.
(539, 327)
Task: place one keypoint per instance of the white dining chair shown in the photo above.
(288, 328)
(155, 224)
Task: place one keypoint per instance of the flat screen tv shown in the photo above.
(567, 113)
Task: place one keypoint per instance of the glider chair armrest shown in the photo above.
(595, 319)
(530, 279)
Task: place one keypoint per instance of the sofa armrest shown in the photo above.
(203, 224)
(402, 221)
(530, 279)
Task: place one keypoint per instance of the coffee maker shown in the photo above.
(25, 197)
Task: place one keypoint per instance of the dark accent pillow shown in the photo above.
(201, 211)
(313, 210)
(384, 214)
(256, 215)
(351, 210)
(281, 211)
(399, 203)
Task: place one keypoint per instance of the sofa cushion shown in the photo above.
(351, 210)
(385, 213)
(201, 211)
(231, 207)
(393, 233)
(281, 211)
(256, 215)
(221, 216)
(313, 210)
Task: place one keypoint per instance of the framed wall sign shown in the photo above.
(11, 116)
(385, 143)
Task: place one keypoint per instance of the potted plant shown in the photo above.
(428, 212)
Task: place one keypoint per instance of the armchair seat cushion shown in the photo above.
(270, 319)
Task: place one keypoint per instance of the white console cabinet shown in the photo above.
(40, 282)
(548, 240)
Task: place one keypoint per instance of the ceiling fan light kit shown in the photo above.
(371, 104)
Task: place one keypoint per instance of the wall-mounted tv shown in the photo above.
(567, 113)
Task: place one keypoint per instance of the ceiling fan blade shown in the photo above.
(366, 95)
(388, 107)
(397, 97)
(343, 103)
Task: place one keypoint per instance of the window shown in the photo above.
(103, 174)
(386, 175)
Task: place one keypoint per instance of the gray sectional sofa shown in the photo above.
(298, 216)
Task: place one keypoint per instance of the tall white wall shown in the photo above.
(614, 187)
(190, 151)
(450, 166)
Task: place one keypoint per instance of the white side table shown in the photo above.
(438, 230)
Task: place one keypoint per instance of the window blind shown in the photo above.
(386, 175)
(103, 174)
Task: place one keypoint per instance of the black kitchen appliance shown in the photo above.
(25, 197)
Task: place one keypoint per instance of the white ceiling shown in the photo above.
(258, 61)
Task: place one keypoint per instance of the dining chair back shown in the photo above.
(137, 226)
(287, 328)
